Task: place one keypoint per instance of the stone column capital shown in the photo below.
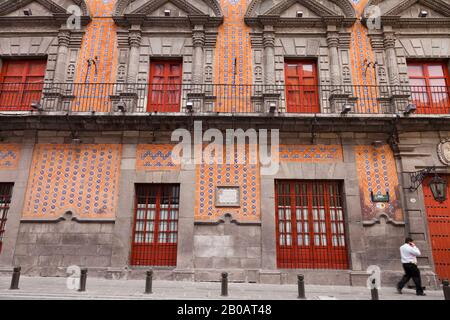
(389, 40)
(134, 38)
(269, 39)
(64, 38)
(198, 38)
(332, 39)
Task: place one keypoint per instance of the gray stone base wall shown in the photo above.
(227, 246)
(48, 248)
(383, 241)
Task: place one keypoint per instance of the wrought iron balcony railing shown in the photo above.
(223, 98)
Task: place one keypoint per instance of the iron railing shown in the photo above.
(222, 98)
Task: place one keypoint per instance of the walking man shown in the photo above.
(409, 253)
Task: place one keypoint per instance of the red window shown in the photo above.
(438, 216)
(5, 200)
(301, 87)
(156, 225)
(165, 86)
(21, 83)
(430, 87)
(310, 225)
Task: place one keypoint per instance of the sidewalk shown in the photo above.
(97, 288)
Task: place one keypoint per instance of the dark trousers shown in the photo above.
(411, 271)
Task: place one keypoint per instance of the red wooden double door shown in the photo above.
(165, 86)
(155, 232)
(430, 87)
(302, 90)
(21, 83)
(5, 201)
(310, 225)
(438, 216)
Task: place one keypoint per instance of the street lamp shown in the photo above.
(438, 187)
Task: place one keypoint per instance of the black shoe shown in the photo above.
(399, 290)
(420, 294)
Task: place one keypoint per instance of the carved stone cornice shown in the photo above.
(287, 22)
(345, 39)
(399, 22)
(314, 6)
(150, 21)
(376, 40)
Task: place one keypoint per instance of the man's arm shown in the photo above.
(414, 250)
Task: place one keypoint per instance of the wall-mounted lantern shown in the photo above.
(438, 185)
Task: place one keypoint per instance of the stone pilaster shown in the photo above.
(335, 70)
(389, 46)
(61, 60)
(198, 41)
(134, 39)
(269, 55)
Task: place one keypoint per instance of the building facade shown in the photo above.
(93, 92)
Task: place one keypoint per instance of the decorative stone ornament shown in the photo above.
(444, 151)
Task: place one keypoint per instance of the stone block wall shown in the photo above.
(227, 246)
(48, 248)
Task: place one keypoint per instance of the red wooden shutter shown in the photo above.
(21, 83)
(165, 86)
(156, 225)
(301, 87)
(430, 87)
(438, 216)
(5, 200)
(310, 225)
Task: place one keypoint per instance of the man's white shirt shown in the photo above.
(409, 253)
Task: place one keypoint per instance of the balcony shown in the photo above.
(218, 99)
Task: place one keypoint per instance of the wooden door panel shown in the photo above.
(430, 87)
(301, 87)
(438, 218)
(155, 231)
(21, 83)
(165, 86)
(317, 238)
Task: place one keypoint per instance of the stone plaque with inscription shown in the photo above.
(228, 197)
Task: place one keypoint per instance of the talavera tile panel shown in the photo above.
(9, 156)
(78, 178)
(155, 157)
(311, 153)
(377, 172)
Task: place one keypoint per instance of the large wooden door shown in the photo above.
(310, 225)
(301, 87)
(156, 225)
(21, 83)
(5, 200)
(430, 87)
(165, 86)
(438, 216)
